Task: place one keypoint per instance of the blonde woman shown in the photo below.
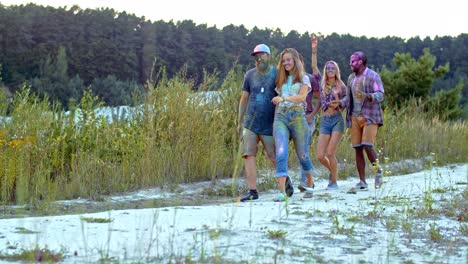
(292, 86)
(312, 107)
(334, 99)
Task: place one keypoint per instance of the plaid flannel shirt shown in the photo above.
(371, 108)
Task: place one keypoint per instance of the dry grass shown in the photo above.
(175, 136)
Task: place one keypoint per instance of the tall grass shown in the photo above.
(409, 133)
(175, 135)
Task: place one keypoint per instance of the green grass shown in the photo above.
(339, 228)
(434, 233)
(176, 137)
(96, 220)
(34, 255)
(277, 234)
(22, 230)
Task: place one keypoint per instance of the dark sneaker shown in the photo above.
(361, 186)
(302, 185)
(288, 187)
(252, 195)
(332, 186)
(378, 179)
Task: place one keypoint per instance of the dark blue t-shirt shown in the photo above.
(260, 110)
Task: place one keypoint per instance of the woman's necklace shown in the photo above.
(329, 87)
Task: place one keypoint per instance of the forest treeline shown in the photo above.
(61, 52)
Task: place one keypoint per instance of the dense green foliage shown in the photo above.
(61, 52)
(413, 79)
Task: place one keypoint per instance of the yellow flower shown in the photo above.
(15, 143)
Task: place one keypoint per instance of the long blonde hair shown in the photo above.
(297, 72)
(338, 80)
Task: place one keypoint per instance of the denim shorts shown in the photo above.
(331, 123)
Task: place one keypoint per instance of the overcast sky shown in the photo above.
(370, 18)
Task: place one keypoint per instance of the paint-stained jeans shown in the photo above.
(291, 122)
(308, 141)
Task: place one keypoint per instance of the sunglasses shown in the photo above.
(261, 58)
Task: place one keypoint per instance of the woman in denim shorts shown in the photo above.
(334, 99)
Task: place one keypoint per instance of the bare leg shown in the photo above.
(331, 154)
(360, 163)
(371, 154)
(322, 145)
(310, 180)
(251, 171)
(281, 184)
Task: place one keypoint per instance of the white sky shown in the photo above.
(139, 235)
(370, 18)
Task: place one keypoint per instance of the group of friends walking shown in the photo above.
(277, 105)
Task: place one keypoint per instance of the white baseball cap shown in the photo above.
(260, 48)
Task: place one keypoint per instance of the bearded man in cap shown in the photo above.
(256, 115)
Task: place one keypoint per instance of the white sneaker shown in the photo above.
(309, 193)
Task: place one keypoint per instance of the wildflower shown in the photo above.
(15, 143)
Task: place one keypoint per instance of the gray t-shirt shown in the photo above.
(260, 110)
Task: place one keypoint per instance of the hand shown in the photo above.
(277, 99)
(314, 43)
(361, 95)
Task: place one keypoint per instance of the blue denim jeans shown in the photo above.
(291, 122)
(308, 141)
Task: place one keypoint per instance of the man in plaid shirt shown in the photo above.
(364, 115)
